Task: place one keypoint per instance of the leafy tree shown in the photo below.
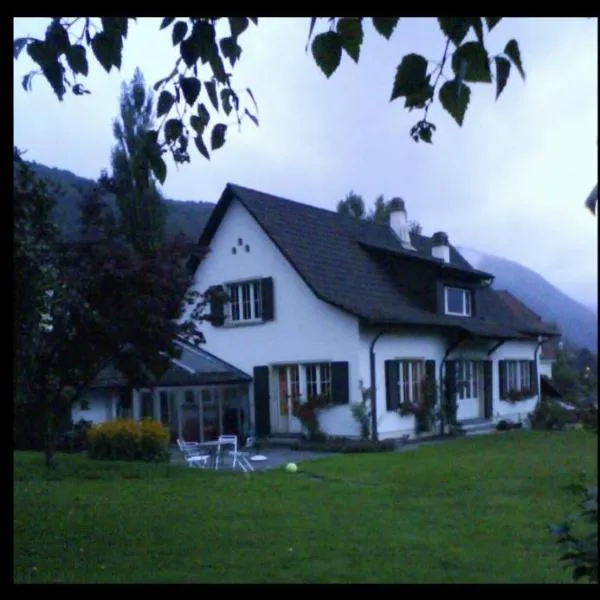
(63, 58)
(141, 207)
(354, 206)
(565, 376)
(95, 301)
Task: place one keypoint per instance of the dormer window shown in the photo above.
(457, 301)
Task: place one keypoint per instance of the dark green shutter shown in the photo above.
(268, 303)
(450, 379)
(339, 383)
(533, 375)
(392, 393)
(488, 390)
(502, 378)
(262, 397)
(430, 385)
(217, 306)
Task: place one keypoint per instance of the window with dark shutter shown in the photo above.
(430, 383)
(488, 390)
(392, 376)
(268, 304)
(450, 379)
(217, 306)
(339, 383)
(533, 376)
(502, 378)
(262, 399)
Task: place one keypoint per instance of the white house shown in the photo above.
(309, 302)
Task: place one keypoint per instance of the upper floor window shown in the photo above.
(245, 301)
(457, 301)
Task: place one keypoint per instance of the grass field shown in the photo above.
(470, 510)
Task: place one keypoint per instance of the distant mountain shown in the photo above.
(185, 217)
(578, 324)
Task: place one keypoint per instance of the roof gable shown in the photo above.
(334, 256)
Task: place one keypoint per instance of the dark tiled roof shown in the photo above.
(194, 367)
(331, 254)
(522, 316)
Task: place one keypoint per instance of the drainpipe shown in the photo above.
(374, 433)
(537, 369)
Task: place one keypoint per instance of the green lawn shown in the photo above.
(470, 510)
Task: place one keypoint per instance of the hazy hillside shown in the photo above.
(186, 217)
(577, 322)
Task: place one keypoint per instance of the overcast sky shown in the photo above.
(510, 182)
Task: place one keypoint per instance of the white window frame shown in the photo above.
(411, 374)
(466, 301)
(245, 301)
(469, 372)
(322, 380)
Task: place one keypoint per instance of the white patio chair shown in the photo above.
(194, 454)
(230, 444)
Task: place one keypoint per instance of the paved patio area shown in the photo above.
(276, 457)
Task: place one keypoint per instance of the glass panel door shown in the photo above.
(190, 417)
(211, 414)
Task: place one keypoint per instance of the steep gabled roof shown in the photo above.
(522, 316)
(331, 253)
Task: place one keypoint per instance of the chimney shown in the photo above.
(441, 247)
(399, 222)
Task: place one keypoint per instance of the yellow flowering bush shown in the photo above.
(126, 439)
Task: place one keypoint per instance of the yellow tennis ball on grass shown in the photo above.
(291, 467)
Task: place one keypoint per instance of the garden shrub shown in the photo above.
(550, 415)
(126, 439)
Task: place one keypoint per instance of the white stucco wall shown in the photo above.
(409, 344)
(100, 407)
(304, 329)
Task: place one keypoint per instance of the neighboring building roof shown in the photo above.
(522, 317)
(548, 388)
(195, 366)
(550, 349)
(336, 255)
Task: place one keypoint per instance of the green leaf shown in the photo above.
(18, 46)
(351, 35)
(454, 97)
(203, 114)
(43, 54)
(230, 49)
(158, 166)
(252, 117)
(179, 30)
(116, 26)
(201, 147)
(385, 25)
(200, 44)
(190, 86)
(217, 66)
(40, 52)
(107, 49)
(226, 100)
(254, 20)
(57, 37)
(77, 60)
(477, 27)
(491, 22)
(173, 129)
(455, 28)
(217, 137)
(166, 22)
(475, 56)
(512, 51)
(502, 73)
(327, 51)
(411, 76)
(238, 25)
(211, 90)
(197, 125)
(164, 104)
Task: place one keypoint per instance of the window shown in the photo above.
(318, 379)
(457, 301)
(245, 302)
(517, 379)
(410, 383)
(469, 374)
(289, 387)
